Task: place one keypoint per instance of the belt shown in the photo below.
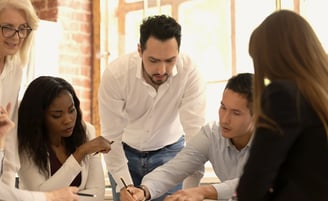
(136, 151)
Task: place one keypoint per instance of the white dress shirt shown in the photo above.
(92, 182)
(132, 111)
(207, 145)
(12, 194)
(10, 82)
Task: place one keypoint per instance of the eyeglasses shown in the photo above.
(8, 31)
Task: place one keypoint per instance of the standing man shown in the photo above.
(225, 144)
(149, 101)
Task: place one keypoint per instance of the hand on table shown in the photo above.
(64, 194)
(190, 194)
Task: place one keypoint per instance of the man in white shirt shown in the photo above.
(12, 194)
(149, 102)
(225, 144)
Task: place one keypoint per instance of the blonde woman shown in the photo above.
(18, 22)
(289, 156)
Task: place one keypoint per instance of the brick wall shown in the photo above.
(75, 59)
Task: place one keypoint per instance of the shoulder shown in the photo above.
(211, 126)
(283, 99)
(212, 130)
(90, 130)
(185, 63)
(121, 69)
(123, 63)
(281, 86)
(122, 66)
(281, 90)
(188, 71)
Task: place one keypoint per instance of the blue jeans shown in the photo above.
(141, 163)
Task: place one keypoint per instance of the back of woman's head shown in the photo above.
(284, 46)
(32, 20)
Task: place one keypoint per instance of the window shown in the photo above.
(220, 49)
(215, 33)
(44, 54)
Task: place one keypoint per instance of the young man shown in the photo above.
(225, 144)
(149, 101)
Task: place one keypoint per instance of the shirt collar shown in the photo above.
(229, 143)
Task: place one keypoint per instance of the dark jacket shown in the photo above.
(291, 165)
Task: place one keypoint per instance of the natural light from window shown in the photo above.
(214, 33)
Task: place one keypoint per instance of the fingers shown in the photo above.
(8, 108)
(131, 194)
(5, 123)
(2, 111)
(182, 195)
(5, 111)
(73, 189)
(104, 144)
(125, 195)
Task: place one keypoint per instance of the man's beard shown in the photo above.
(158, 82)
(154, 81)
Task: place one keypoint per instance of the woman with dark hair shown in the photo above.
(56, 146)
(13, 194)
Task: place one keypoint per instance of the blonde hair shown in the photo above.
(284, 46)
(32, 20)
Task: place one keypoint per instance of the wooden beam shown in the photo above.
(95, 69)
(233, 37)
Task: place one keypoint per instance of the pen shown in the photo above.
(111, 142)
(125, 186)
(86, 194)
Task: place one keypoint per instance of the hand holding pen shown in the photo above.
(125, 186)
(131, 193)
(97, 144)
(111, 142)
(126, 194)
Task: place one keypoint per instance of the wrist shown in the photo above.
(79, 154)
(145, 191)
